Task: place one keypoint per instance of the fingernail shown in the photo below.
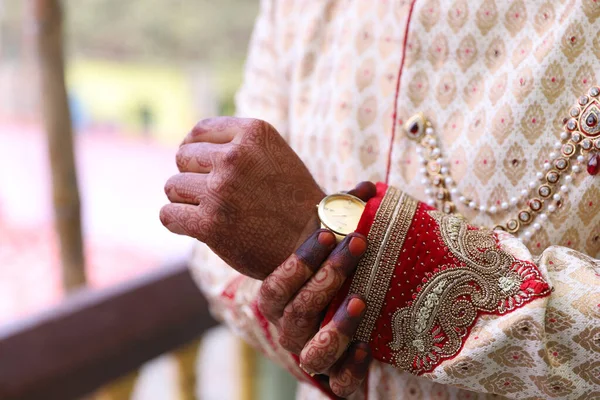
(360, 355)
(357, 246)
(355, 307)
(326, 239)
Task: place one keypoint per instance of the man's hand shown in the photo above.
(295, 296)
(244, 192)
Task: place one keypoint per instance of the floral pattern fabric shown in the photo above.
(339, 78)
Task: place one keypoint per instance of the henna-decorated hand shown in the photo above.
(295, 296)
(244, 192)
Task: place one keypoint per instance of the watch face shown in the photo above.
(341, 212)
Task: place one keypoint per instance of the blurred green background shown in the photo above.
(149, 66)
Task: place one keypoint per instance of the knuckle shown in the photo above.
(197, 130)
(231, 156)
(340, 389)
(265, 306)
(289, 345)
(181, 159)
(299, 310)
(217, 184)
(220, 219)
(290, 319)
(311, 360)
(290, 313)
(295, 323)
(168, 188)
(304, 358)
(170, 185)
(200, 126)
(258, 127)
(260, 124)
(336, 389)
(268, 291)
(326, 283)
(265, 293)
(165, 216)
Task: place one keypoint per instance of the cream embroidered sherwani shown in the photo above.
(339, 78)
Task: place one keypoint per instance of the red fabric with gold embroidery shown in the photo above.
(425, 256)
(420, 256)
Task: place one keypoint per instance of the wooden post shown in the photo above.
(248, 369)
(57, 121)
(121, 389)
(186, 359)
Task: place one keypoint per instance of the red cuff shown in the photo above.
(368, 216)
(427, 277)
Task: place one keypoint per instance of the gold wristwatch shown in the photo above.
(340, 213)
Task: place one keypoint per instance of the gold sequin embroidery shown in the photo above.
(485, 279)
(386, 238)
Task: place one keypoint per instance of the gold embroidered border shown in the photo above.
(486, 279)
(386, 238)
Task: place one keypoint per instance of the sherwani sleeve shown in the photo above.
(264, 91)
(472, 308)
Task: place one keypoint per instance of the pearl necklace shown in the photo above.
(580, 139)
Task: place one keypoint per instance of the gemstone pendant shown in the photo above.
(593, 165)
(415, 126)
(584, 130)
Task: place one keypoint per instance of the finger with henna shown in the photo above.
(364, 190)
(186, 188)
(282, 284)
(330, 343)
(199, 157)
(216, 130)
(302, 316)
(347, 376)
